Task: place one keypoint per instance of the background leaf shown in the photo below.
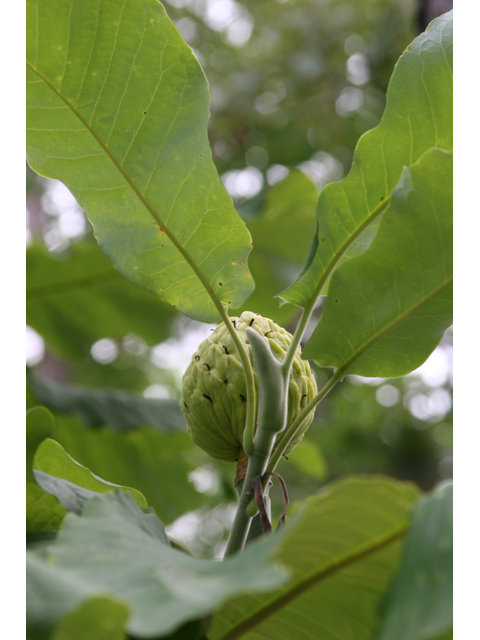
(43, 511)
(343, 549)
(155, 463)
(77, 298)
(281, 230)
(114, 549)
(118, 409)
(387, 309)
(420, 602)
(59, 474)
(117, 110)
(417, 117)
(97, 619)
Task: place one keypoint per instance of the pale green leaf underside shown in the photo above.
(115, 550)
(343, 553)
(387, 309)
(417, 117)
(420, 603)
(117, 109)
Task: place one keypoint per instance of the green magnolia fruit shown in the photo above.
(214, 391)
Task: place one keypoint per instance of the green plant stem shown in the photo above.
(272, 414)
(289, 433)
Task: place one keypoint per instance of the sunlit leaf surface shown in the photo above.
(117, 109)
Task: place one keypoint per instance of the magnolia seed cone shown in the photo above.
(214, 391)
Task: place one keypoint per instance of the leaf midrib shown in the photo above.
(394, 324)
(146, 203)
(257, 618)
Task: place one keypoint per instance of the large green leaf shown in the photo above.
(118, 110)
(114, 549)
(74, 300)
(387, 309)
(343, 550)
(420, 603)
(157, 464)
(97, 407)
(417, 117)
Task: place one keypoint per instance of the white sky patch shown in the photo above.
(35, 347)
(244, 183)
(157, 391)
(104, 351)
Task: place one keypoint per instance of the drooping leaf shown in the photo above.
(117, 110)
(97, 619)
(343, 549)
(388, 308)
(76, 299)
(71, 483)
(97, 407)
(157, 464)
(114, 549)
(420, 602)
(417, 117)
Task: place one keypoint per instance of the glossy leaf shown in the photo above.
(118, 409)
(417, 117)
(70, 482)
(97, 619)
(114, 549)
(117, 110)
(157, 464)
(387, 309)
(420, 602)
(76, 299)
(343, 549)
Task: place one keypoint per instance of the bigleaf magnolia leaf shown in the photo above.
(343, 551)
(387, 309)
(420, 602)
(114, 549)
(417, 117)
(117, 109)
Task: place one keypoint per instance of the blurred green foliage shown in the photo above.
(294, 83)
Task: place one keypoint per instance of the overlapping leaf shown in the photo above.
(417, 117)
(343, 553)
(387, 309)
(420, 603)
(157, 464)
(98, 407)
(114, 549)
(117, 110)
(74, 300)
